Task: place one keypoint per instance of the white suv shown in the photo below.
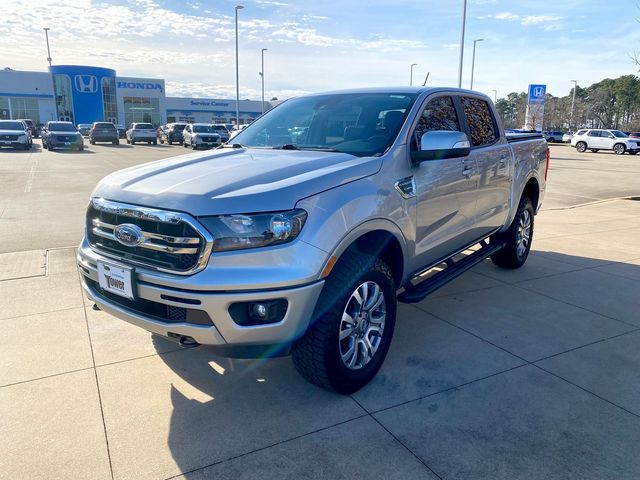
(596, 139)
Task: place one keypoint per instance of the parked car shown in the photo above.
(172, 133)
(200, 135)
(266, 247)
(634, 134)
(566, 138)
(553, 136)
(28, 130)
(596, 139)
(61, 135)
(122, 132)
(222, 131)
(32, 126)
(103, 132)
(141, 132)
(13, 134)
(84, 129)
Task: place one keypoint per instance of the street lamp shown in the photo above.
(573, 101)
(46, 34)
(473, 59)
(262, 77)
(411, 77)
(238, 7)
(495, 96)
(464, 18)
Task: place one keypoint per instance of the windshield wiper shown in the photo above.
(291, 146)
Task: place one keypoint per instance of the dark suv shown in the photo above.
(61, 135)
(103, 132)
(172, 133)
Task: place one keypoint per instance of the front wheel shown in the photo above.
(353, 323)
(517, 238)
(619, 148)
(632, 152)
(581, 147)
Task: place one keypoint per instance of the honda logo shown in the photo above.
(86, 83)
(538, 92)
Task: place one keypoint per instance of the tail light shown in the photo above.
(546, 169)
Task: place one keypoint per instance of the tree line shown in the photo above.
(606, 104)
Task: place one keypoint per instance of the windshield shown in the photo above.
(178, 127)
(62, 127)
(618, 133)
(220, 128)
(202, 129)
(11, 126)
(105, 126)
(144, 126)
(361, 124)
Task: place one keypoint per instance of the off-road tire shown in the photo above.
(316, 355)
(509, 257)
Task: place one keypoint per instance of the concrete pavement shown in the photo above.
(502, 374)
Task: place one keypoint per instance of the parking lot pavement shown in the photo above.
(532, 373)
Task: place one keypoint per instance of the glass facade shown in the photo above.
(64, 102)
(142, 109)
(19, 107)
(109, 102)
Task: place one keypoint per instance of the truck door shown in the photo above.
(445, 188)
(493, 156)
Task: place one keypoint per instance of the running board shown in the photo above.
(454, 268)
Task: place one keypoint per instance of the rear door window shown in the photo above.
(480, 120)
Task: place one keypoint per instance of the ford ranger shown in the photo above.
(278, 243)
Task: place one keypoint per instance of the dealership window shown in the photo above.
(109, 102)
(19, 107)
(141, 109)
(64, 103)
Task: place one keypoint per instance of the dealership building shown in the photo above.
(84, 94)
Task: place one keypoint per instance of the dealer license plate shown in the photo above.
(116, 279)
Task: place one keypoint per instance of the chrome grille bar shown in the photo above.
(166, 238)
(150, 245)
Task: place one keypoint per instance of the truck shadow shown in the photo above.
(223, 408)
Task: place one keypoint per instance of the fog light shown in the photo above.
(259, 311)
(265, 312)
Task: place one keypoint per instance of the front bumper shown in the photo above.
(223, 330)
(14, 144)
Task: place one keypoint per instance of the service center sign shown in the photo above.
(537, 93)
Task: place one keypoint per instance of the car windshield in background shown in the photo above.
(178, 128)
(619, 134)
(219, 128)
(361, 124)
(202, 129)
(11, 125)
(144, 126)
(62, 127)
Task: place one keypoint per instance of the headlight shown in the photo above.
(236, 232)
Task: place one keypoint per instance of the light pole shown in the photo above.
(464, 18)
(238, 7)
(573, 101)
(495, 96)
(411, 77)
(46, 35)
(262, 77)
(473, 59)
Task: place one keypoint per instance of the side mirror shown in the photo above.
(612, 136)
(441, 144)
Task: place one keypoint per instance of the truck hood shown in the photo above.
(234, 181)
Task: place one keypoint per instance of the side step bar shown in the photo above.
(415, 293)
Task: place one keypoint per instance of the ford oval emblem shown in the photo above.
(128, 234)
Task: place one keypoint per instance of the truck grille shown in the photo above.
(167, 241)
(211, 139)
(64, 138)
(12, 138)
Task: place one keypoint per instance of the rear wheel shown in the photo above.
(581, 146)
(353, 323)
(517, 238)
(619, 148)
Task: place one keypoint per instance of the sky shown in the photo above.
(328, 44)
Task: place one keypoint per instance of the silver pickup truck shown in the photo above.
(302, 233)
